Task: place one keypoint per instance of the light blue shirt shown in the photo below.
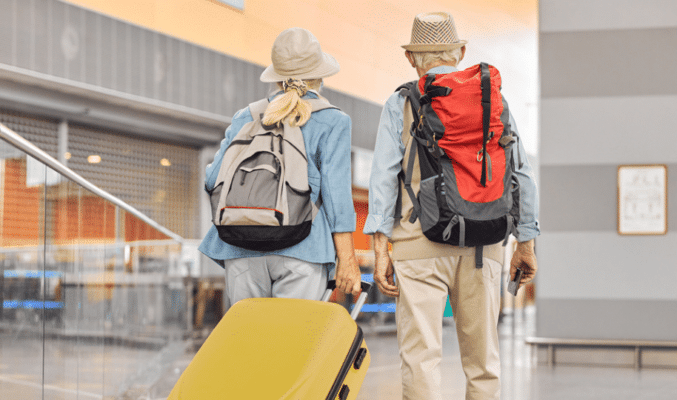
(386, 165)
(327, 139)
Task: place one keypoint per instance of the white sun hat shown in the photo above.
(297, 54)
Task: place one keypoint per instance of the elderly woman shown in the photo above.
(302, 270)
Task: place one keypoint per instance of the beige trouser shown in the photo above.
(474, 294)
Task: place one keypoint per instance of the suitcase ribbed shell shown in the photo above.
(273, 349)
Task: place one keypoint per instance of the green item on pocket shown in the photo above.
(447, 310)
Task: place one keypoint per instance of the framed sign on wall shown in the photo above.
(642, 199)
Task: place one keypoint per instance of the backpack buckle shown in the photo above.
(435, 150)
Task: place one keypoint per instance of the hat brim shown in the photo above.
(328, 67)
(434, 47)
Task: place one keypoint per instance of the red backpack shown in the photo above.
(462, 136)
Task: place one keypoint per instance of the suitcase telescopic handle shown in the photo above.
(366, 286)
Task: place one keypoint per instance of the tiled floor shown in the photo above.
(521, 377)
(77, 370)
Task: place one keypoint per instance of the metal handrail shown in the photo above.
(19, 142)
(93, 246)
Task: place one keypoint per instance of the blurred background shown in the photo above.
(111, 110)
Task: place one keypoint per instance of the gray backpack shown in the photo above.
(261, 198)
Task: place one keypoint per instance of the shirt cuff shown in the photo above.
(379, 223)
(343, 223)
(526, 233)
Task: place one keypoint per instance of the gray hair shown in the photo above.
(424, 59)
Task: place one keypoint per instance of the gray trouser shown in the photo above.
(274, 276)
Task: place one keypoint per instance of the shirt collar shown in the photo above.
(311, 94)
(442, 69)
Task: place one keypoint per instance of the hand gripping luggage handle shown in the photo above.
(366, 286)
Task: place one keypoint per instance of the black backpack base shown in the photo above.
(476, 233)
(264, 238)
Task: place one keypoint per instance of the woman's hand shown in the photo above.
(348, 276)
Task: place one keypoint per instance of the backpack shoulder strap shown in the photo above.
(412, 96)
(411, 148)
(257, 108)
(320, 104)
(409, 86)
(407, 123)
(410, 91)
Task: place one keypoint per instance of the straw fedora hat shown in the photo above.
(434, 31)
(297, 54)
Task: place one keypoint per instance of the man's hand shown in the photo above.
(384, 276)
(384, 273)
(348, 276)
(524, 258)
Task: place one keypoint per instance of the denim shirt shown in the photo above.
(386, 165)
(328, 146)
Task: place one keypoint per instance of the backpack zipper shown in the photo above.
(480, 157)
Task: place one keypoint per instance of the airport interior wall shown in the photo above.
(364, 36)
(608, 95)
(135, 97)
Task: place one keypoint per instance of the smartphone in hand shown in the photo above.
(514, 284)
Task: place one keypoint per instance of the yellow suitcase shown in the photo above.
(280, 349)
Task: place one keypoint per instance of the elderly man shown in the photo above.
(428, 271)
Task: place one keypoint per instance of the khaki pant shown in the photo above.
(474, 294)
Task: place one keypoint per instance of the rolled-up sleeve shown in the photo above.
(528, 227)
(336, 176)
(386, 165)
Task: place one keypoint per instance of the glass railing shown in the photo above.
(93, 299)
